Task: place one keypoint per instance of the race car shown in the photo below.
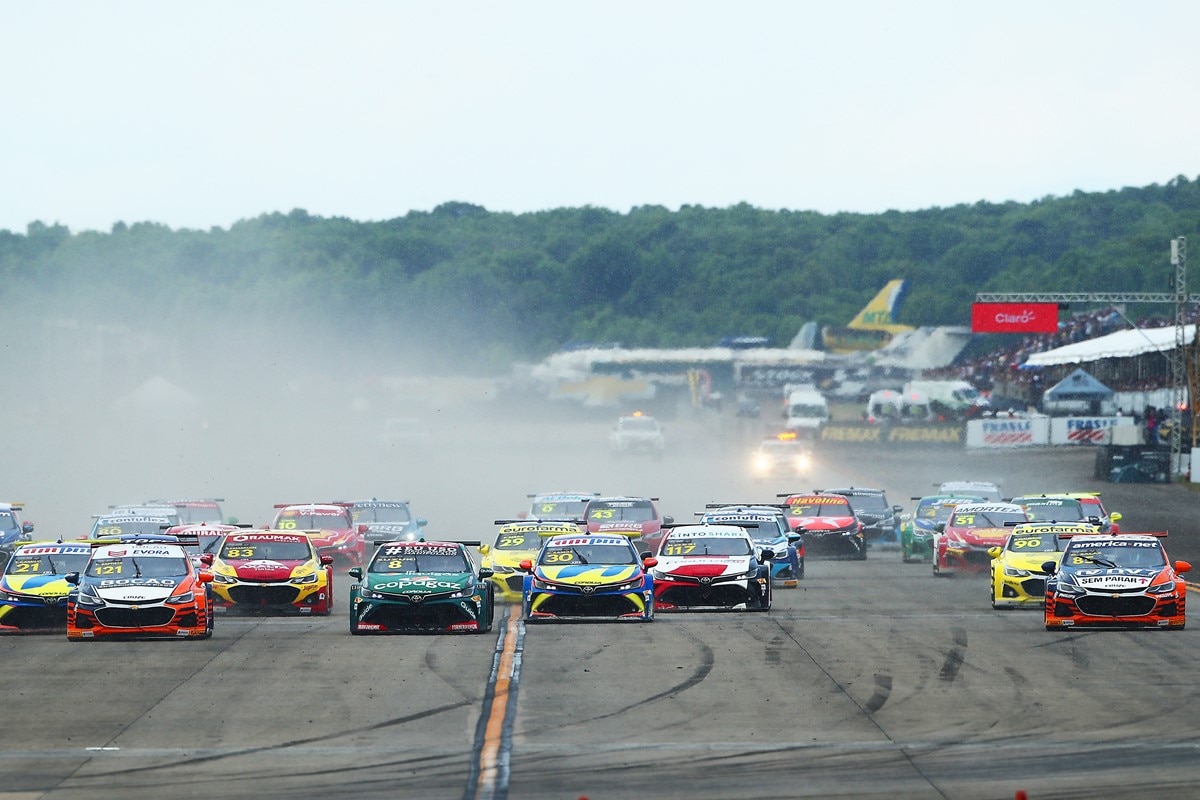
(387, 521)
(961, 543)
(421, 587)
(33, 587)
(635, 517)
(984, 490)
(193, 512)
(588, 575)
(265, 571)
(637, 433)
(13, 531)
(139, 588)
(711, 566)
(517, 541)
(1116, 581)
(207, 537)
(880, 519)
(1093, 507)
(560, 506)
(1018, 568)
(124, 524)
(917, 529)
(783, 454)
(827, 523)
(768, 528)
(1054, 508)
(335, 532)
(147, 510)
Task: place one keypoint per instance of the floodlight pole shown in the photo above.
(1178, 296)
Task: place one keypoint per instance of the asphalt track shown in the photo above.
(873, 679)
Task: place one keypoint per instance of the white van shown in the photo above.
(899, 408)
(807, 411)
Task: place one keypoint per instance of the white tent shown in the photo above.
(1122, 344)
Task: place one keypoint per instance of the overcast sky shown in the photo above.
(200, 114)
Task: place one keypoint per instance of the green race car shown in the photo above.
(917, 528)
(421, 587)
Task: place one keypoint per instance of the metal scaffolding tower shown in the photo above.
(1178, 357)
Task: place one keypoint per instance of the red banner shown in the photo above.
(1014, 317)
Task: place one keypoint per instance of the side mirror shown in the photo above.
(72, 578)
(1116, 516)
(362, 530)
(649, 563)
(485, 573)
(793, 538)
(645, 554)
(526, 565)
(484, 549)
(355, 572)
(897, 509)
(994, 552)
(765, 556)
(422, 522)
(667, 520)
(1049, 567)
(204, 576)
(1182, 567)
(206, 559)
(326, 560)
(27, 527)
(940, 527)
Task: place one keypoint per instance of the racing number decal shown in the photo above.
(1020, 543)
(965, 519)
(509, 541)
(27, 566)
(547, 508)
(240, 552)
(287, 524)
(602, 513)
(679, 548)
(561, 557)
(108, 569)
(109, 530)
(396, 563)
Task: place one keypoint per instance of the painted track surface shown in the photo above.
(871, 680)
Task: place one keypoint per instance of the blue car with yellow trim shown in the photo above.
(33, 587)
(594, 576)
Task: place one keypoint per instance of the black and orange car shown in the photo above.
(1109, 581)
(140, 588)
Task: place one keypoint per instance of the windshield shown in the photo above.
(47, 564)
(191, 514)
(628, 511)
(138, 567)
(557, 507)
(397, 560)
(820, 507)
(105, 528)
(806, 410)
(706, 546)
(639, 424)
(935, 510)
(517, 541)
(869, 502)
(1057, 509)
(274, 551)
(1032, 542)
(365, 515)
(296, 520)
(8, 520)
(559, 555)
(1117, 553)
(993, 518)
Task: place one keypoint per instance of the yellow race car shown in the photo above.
(517, 541)
(1017, 577)
(33, 584)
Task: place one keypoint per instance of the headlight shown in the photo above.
(180, 599)
(306, 579)
(87, 596)
(625, 587)
(499, 570)
(219, 578)
(1162, 588)
(5, 597)
(1067, 587)
(802, 462)
(750, 573)
(367, 594)
(538, 583)
(1016, 573)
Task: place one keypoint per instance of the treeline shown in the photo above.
(520, 285)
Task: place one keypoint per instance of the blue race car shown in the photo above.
(769, 529)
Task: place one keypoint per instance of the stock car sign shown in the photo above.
(1014, 317)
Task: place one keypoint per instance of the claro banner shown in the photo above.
(1014, 317)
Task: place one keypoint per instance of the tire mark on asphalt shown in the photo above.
(883, 690)
(954, 657)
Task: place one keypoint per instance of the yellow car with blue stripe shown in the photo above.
(1017, 577)
(517, 541)
(33, 587)
(580, 575)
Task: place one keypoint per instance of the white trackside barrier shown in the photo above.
(1008, 432)
(1086, 430)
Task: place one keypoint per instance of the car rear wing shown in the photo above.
(341, 503)
(464, 542)
(137, 539)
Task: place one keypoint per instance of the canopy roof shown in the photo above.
(1122, 344)
(1079, 385)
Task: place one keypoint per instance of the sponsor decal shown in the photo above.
(369, 626)
(419, 549)
(419, 582)
(705, 534)
(934, 434)
(575, 542)
(851, 433)
(261, 565)
(736, 518)
(464, 626)
(819, 500)
(1112, 581)
(1014, 317)
(265, 537)
(111, 582)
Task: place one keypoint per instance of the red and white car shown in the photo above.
(961, 543)
(635, 517)
(332, 529)
(828, 524)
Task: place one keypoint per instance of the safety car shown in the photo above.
(783, 454)
(637, 433)
(516, 541)
(266, 571)
(917, 529)
(387, 521)
(335, 535)
(588, 575)
(711, 566)
(560, 506)
(34, 588)
(635, 517)
(827, 523)
(768, 528)
(139, 588)
(880, 519)
(1116, 581)
(1018, 567)
(421, 587)
(961, 543)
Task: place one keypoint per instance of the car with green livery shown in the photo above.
(917, 528)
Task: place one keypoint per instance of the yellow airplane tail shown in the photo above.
(880, 313)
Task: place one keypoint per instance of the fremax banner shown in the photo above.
(1014, 317)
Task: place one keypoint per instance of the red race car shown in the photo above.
(827, 523)
(336, 534)
(268, 571)
(961, 543)
(635, 517)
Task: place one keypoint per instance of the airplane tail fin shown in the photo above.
(881, 311)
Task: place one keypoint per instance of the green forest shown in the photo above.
(518, 286)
